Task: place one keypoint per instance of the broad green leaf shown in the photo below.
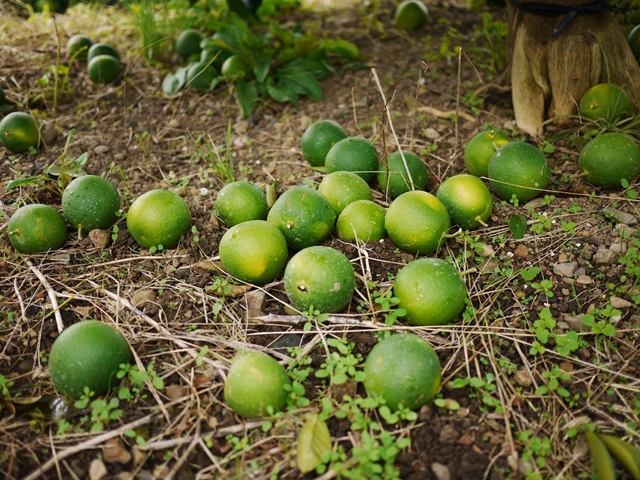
(518, 226)
(22, 182)
(262, 68)
(529, 273)
(246, 95)
(280, 92)
(170, 84)
(313, 440)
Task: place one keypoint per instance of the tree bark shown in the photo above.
(550, 75)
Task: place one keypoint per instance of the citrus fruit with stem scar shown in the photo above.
(318, 139)
(608, 159)
(89, 202)
(396, 178)
(19, 132)
(37, 228)
(411, 15)
(431, 291)
(606, 101)
(343, 188)
(362, 220)
(103, 69)
(467, 199)
(78, 46)
(239, 202)
(404, 371)
(254, 251)
(319, 278)
(188, 43)
(304, 217)
(353, 154)
(417, 222)
(87, 354)
(158, 218)
(518, 169)
(479, 150)
(255, 385)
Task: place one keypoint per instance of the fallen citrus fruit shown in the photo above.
(37, 228)
(634, 41)
(518, 169)
(87, 354)
(393, 177)
(304, 217)
(254, 251)
(467, 199)
(605, 100)
(235, 67)
(353, 154)
(362, 220)
(239, 202)
(201, 75)
(90, 202)
(319, 278)
(343, 188)
(479, 150)
(318, 139)
(431, 291)
(188, 43)
(103, 69)
(102, 48)
(158, 218)
(411, 15)
(608, 159)
(78, 46)
(404, 371)
(255, 385)
(417, 222)
(19, 132)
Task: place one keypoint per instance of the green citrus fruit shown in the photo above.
(318, 139)
(417, 221)
(605, 100)
(188, 43)
(634, 41)
(404, 370)
(211, 51)
(158, 218)
(255, 385)
(518, 168)
(254, 252)
(609, 158)
(78, 46)
(19, 132)
(102, 48)
(235, 67)
(103, 69)
(90, 202)
(353, 154)
(362, 219)
(431, 291)
(467, 199)
(319, 278)
(304, 217)
(479, 150)
(411, 15)
(37, 228)
(393, 177)
(87, 354)
(239, 202)
(200, 75)
(342, 188)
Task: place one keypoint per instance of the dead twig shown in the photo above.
(51, 293)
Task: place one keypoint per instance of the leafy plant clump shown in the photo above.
(284, 64)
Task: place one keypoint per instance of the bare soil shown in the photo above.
(168, 306)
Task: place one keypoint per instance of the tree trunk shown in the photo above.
(554, 73)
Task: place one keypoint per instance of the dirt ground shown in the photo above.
(169, 307)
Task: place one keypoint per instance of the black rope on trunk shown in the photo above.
(569, 12)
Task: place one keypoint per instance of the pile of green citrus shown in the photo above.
(103, 63)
